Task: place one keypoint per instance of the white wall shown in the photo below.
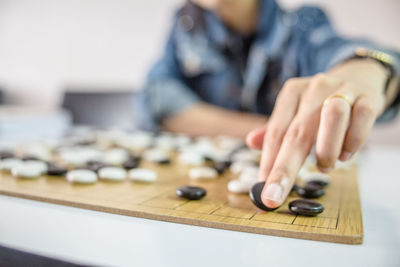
(375, 19)
(47, 44)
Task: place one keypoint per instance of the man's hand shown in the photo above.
(335, 111)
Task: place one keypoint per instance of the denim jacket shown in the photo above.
(205, 61)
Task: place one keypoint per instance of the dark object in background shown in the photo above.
(100, 109)
(1, 96)
(17, 258)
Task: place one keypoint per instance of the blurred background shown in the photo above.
(57, 53)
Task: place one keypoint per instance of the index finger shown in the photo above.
(295, 148)
(284, 111)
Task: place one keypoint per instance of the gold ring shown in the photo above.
(342, 96)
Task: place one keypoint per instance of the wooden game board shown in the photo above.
(341, 221)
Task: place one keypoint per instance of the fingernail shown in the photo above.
(285, 183)
(274, 192)
(346, 156)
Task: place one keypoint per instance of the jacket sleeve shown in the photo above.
(165, 91)
(319, 48)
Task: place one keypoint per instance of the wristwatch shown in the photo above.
(384, 59)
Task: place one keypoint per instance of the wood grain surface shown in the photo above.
(341, 221)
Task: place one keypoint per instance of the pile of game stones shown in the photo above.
(208, 159)
(78, 165)
(115, 155)
(79, 159)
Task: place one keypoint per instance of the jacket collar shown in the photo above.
(220, 35)
(271, 34)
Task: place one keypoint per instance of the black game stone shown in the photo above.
(255, 196)
(94, 165)
(164, 161)
(136, 158)
(208, 158)
(5, 154)
(29, 157)
(318, 183)
(306, 207)
(130, 164)
(55, 170)
(220, 166)
(87, 142)
(191, 192)
(295, 187)
(228, 163)
(310, 191)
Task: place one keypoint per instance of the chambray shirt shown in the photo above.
(206, 61)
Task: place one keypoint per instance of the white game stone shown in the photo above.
(112, 173)
(29, 169)
(165, 141)
(238, 166)
(37, 164)
(82, 176)
(191, 158)
(9, 164)
(240, 186)
(218, 154)
(346, 165)
(38, 150)
(79, 156)
(142, 175)
(247, 155)
(72, 157)
(182, 140)
(115, 156)
(155, 155)
(136, 140)
(229, 143)
(303, 171)
(90, 153)
(249, 174)
(203, 173)
(203, 145)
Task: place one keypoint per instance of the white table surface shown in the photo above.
(91, 237)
